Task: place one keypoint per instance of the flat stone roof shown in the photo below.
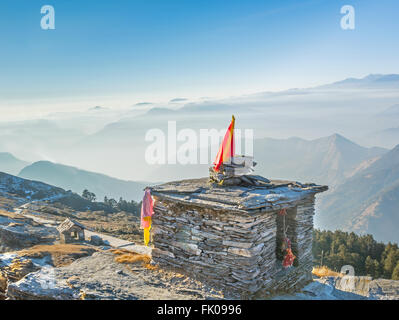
(270, 195)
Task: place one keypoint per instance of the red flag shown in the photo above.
(226, 150)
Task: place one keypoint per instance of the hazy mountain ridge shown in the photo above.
(77, 180)
(327, 160)
(387, 136)
(372, 80)
(391, 111)
(11, 164)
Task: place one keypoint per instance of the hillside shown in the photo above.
(367, 202)
(71, 178)
(10, 164)
(30, 190)
(18, 190)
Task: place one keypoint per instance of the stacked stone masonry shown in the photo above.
(234, 245)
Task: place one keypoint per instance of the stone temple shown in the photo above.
(232, 235)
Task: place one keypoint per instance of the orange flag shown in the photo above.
(226, 150)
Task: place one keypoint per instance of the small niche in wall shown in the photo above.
(288, 222)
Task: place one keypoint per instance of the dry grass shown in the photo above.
(70, 280)
(129, 257)
(132, 258)
(14, 224)
(119, 251)
(11, 215)
(151, 267)
(61, 254)
(323, 271)
(82, 295)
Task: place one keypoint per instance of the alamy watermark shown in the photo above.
(188, 146)
(348, 280)
(47, 21)
(348, 20)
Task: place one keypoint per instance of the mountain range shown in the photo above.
(112, 140)
(328, 160)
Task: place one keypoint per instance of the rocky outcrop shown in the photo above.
(346, 288)
(19, 233)
(16, 269)
(28, 189)
(382, 289)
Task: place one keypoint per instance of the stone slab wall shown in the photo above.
(232, 251)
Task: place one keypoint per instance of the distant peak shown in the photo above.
(339, 140)
(338, 137)
(44, 164)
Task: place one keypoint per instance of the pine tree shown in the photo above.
(390, 262)
(369, 266)
(395, 273)
(377, 269)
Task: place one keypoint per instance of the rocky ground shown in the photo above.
(100, 277)
(15, 265)
(33, 265)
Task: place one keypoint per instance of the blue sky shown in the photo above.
(140, 50)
